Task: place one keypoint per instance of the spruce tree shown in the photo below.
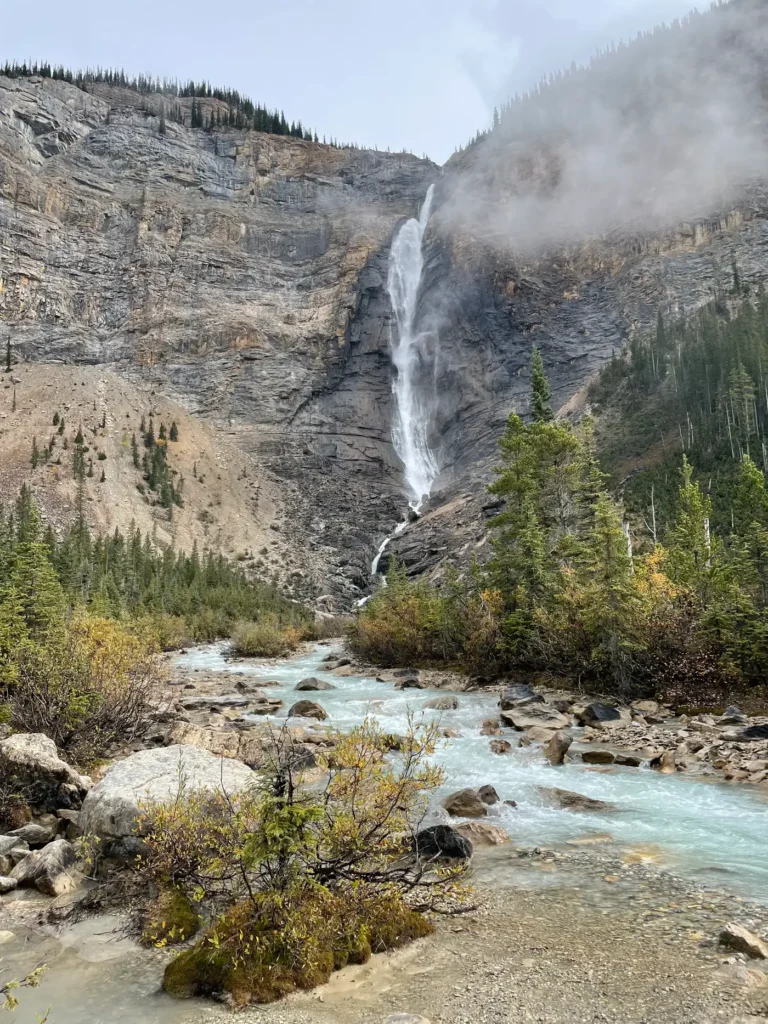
(541, 396)
(8, 354)
(35, 458)
(174, 434)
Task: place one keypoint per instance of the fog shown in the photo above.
(668, 128)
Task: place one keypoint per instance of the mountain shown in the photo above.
(242, 276)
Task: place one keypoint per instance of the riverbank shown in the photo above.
(558, 936)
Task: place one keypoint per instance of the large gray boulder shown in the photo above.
(465, 803)
(111, 809)
(307, 709)
(33, 761)
(568, 801)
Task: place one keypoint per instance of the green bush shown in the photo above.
(262, 640)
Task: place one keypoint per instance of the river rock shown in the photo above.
(732, 716)
(308, 709)
(51, 870)
(465, 803)
(411, 683)
(598, 757)
(628, 760)
(488, 795)
(741, 976)
(311, 683)
(518, 695)
(535, 715)
(490, 727)
(482, 833)
(442, 704)
(214, 702)
(442, 841)
(754, 732)
(568, 801)
(557, 747)
(665, 762)
(33, 760)
(645, 707)
(499, 746)
(7, 884)
(597, 713)
(744, 941)
(111, 809)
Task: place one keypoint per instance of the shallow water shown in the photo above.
(713, 832)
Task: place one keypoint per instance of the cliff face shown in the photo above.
(240, 274)
(243, 276)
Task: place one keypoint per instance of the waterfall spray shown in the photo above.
(411, 427)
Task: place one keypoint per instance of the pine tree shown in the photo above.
(161, 126)
(13, 404)
(135, 452)
(174, 434)
(8, 354)
(56, 418)
(35, 459)
(541, 396)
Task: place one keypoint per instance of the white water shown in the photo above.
(714, 833)
(410, 431)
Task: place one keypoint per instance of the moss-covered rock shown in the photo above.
(171, 919)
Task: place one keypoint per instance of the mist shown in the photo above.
(668, 128)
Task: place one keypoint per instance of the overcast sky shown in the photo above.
(417, 74)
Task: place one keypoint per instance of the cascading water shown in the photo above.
(410, 431)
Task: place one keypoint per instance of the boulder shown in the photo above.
(535, 715)
(537, 734)
(754, 732)
(263, 705)
(9, 843)
(732, 716)
(307, 709)
(33, 761)
(35, 836)
(442, 704)
(482, 833)
(557, 747)
(248, 745)
(499, 746)
(111, 809)
(568, 801)
(311, 683)
(442, 841)
(744, 941)
(598, 757)
(465, 803)
(488, 795)
(665, 762)
(628, 760)
(412, 683)
(7, 884)
(645, 707)
(518, 695)
(490, 727)
(51, 870)
(597, 713)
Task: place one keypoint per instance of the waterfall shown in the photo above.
(411, 427)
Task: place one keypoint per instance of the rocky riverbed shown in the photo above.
(611, 883)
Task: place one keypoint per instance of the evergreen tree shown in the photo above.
(35, 458)
(174, 434)
(541, 396)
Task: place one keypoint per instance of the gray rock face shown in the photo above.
(264, 259)
(111, 809)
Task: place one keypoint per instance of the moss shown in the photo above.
(170, 920)
(397, 928)
(196, 972)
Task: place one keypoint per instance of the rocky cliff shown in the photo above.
(243, 276)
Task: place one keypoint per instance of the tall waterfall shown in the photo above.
(411, 426)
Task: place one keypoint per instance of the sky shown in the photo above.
(422, 75)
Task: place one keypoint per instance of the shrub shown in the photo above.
(171, 919)
(262, 639)
(301, 883)
(88, 688)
